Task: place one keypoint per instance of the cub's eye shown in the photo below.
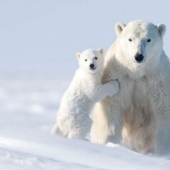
(95, 58)
(148, 40)
(130, 39)
(85, 59)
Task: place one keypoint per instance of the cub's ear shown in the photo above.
(119, 27)
(161, 29)
(101, 50)
(78, 55)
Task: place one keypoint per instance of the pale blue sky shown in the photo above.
(39, 39)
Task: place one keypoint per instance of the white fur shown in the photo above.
(138, 116)
(84, 91)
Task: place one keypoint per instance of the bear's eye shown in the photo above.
(85, 59)
(130, 39)
(95, 58)
(148, 40)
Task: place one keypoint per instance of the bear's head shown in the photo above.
(139, 42)
(91, 60)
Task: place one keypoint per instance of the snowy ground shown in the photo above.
(28, 111)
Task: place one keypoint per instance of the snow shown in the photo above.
(28, 111)
(38, 43)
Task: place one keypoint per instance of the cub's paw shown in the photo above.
(114, 87)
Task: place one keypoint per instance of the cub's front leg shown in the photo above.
(107, 89)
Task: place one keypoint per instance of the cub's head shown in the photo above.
(91, 60)
(140, 41)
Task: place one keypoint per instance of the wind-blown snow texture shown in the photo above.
(38, 43)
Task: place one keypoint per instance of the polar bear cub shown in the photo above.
(85, 90)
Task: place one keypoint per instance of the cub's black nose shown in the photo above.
(91, 65)
(139, 57)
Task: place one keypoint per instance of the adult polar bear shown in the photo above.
(139, 114)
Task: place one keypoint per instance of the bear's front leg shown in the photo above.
(107, 122)
(100, 129)
(162, 143)
(160, 97)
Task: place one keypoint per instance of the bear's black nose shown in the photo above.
(91, 65)
(139, 57)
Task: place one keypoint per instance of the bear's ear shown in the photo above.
(119, 27)
(101, 50)
(161, 29)
(78, 55)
